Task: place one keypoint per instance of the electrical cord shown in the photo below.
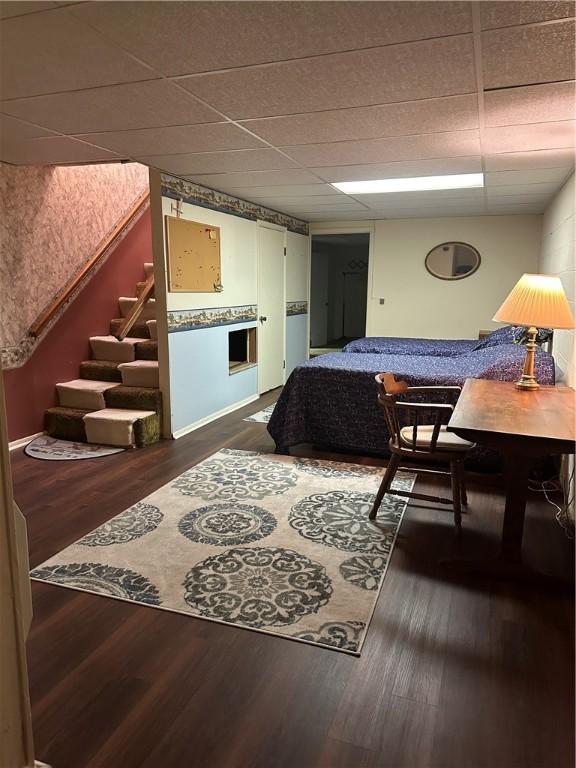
(551, 486)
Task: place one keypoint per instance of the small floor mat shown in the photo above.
(52, 449)
(262, 416)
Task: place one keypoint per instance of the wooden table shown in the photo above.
(521, 425)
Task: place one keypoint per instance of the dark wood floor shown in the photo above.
(454, 673)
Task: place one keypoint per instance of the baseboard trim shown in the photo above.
(224, 412)
(23, 441)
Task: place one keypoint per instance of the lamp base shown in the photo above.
(528, 380)
(527, 383)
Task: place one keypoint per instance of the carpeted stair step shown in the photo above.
(101, 370)
(146, 350)
(135, 398)
(86, 394)
(66, 423)
(148, 310)
(152, 329)
(140, 373)
(109, 348)
(122, 427)
(148, 269)
(139, 330)
(140, 288)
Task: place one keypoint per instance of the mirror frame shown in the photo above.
(455, 277)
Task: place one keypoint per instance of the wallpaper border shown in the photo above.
(296, 308)
(213, 317)
(195, 194)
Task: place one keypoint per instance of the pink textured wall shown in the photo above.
(53, 218)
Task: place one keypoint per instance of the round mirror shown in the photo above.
(452, 261)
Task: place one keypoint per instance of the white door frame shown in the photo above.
(268, 225)
(16, 745)
(350, 228)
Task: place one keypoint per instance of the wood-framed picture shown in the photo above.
(193, 253)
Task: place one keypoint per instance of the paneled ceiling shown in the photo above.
(272, 101)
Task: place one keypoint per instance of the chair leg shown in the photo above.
(463, 494)
(385, 484)
(456, 491)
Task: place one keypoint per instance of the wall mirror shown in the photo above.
(452, 261)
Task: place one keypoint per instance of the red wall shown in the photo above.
(30, 389)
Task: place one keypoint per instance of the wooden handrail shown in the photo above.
(136, 310)
(46, 315)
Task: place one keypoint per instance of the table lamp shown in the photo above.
(536, 301)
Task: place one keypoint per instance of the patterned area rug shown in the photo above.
(262, 416)
(271, 543)
(51, 449)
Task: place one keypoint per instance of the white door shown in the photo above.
(271, 308)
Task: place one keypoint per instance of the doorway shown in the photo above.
(271, 308)
(338, 290)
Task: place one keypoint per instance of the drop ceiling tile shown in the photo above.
(287, 190)
(517, 199)
(179, 38)
(509, 14)
(537, 190)
(539, 176)
(512, 210)
(176, 139)
(408, 72)
(53, 151)
(136, 105)
(400, 169)
(529, 137)
(15, 131)
(528, 55)
(519, 161)
(452, 113)
(531, 104)
(432, 145)
(219, 162)
(224, 182)
(17, 8)
(52, 51)
(313, 201)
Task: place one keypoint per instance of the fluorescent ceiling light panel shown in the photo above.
(415, 184)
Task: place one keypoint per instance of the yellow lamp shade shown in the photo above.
(536, 300)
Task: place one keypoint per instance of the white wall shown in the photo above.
(557, 258)
(418, 304)
(238, 259)
(195, 379)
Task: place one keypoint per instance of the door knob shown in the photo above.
(262, 318)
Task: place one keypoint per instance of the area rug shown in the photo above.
(51, 449)
(262, 416)
(275, 544)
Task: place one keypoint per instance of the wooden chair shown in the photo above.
(421, 442)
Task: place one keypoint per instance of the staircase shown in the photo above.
(116, 401)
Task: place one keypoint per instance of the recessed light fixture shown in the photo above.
(414, 184)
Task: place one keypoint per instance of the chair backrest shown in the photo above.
(398, 415)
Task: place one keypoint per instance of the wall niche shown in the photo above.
(241, 349)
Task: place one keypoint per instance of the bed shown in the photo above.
(331, 400)
(393, 345)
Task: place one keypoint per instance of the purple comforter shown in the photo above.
(332, 399)
(395, 345)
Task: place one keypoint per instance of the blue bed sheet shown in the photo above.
(331, 400)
